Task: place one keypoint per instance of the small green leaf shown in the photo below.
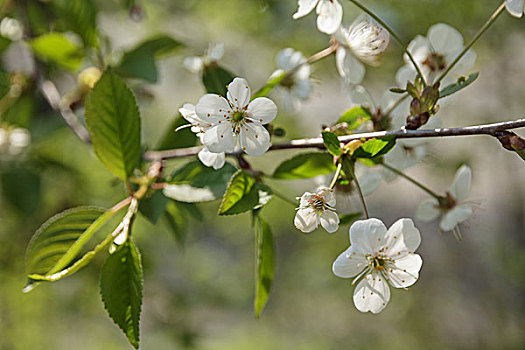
(354, 117)
(80, 16)
(349, 218)
(259, 196)
(180, 139)
(331, 143)
(195, 182)
(121, 289)
(264, 262)
(59, 241)
(215, 80)
(59, 49)
(140, 61)
(153, 207)
(375, 147)
(177, 218)
(270, 84)
(113, 120)
(240, 185)
(398, 90)
(305, 165)
(461, 83)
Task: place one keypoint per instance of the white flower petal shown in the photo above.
(305, 7)
(367, 235)
(349, 263)
(359, 96)
(420, 48)
(214, 160)
(444, 38)
(349, 67)
(329, 16)
(454, 217)
(404, 74)
(461, 185)
(402, 237)
(303, 89)
(216, 51)
(239, 93)
(329, 221)
(328, 195)
(515, 7)
(220, 138)
(428, 210)
(194, 64)
(262, 110)
(372, 293)
(464, 65)
(405, 271)
(254, 139)
(305, 199)
(212, 108)
(306, 220)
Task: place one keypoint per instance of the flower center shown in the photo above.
(435, 62)
(376, 262)
(238, 116)
(288, 82)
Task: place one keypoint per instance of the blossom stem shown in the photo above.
(336, 175)
(414, 181)
(283, 197)
(478, 35)
(359, 191)
(393, 35)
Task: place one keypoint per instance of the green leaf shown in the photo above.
(58, 242)
(398, 90)
(80, 16)
(177, 218)
(375, 147)
(180, 139)
(264, 263)
(140, 61)
(270, 84)
(59, 49)
(195, 182)
(21, 187)
(4, 44)
(121, 289)
(153, 207)
(331, 143)
(243, 194)
(305, 165)
(113, 120)
(461, 83)
(240, 185)
(349, 218)
(215, 80)
(354, 117)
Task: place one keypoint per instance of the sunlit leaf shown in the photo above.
(354, 117)
(461, 83)
(305, 165)
(244, 194)
(57, 48)
(331, 143)
(375, 147)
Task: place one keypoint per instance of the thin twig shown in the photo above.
(486, 129)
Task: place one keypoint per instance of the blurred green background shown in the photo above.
(471, 295)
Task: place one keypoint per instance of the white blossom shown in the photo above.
(515, 7)
(329, 13)
(198, 126)
(196, 64)
(453, 208)
(317, 208)
(13, 141)
(296, 87)
(379, 257)
(434, 53)
(11, 29)
(363, 41)
(236, 119)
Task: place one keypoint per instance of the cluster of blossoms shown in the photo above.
(13, 141)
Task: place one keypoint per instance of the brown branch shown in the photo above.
(487, 129)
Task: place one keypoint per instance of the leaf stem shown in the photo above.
(414, 181)
(478, 35)
(393, 35)
(336, 175)
(350, 170)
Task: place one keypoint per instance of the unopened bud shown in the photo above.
(88, 78)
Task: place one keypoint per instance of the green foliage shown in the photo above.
(349, 218)
(59, 241)
(113, 120)
(22, 188)
(177, 214)
(121, 289)
(354, 117)
(374, 148)
(81, 17)
(58, 49)
(244, 194)
(331, 143)
(153, 207)
(264, 262)
(180, 139)
(195, 182)
(215, 79)
(461, 83)
(305, 165)
(140, 61)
